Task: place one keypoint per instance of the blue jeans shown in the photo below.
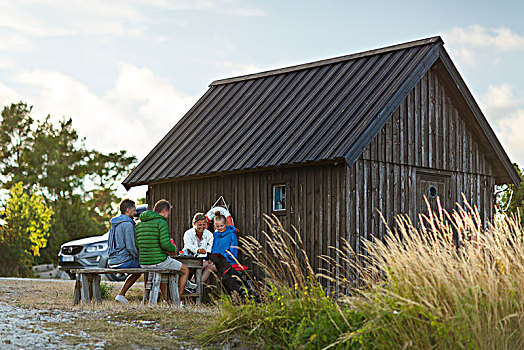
(133, 263)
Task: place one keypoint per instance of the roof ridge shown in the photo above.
(396, 47)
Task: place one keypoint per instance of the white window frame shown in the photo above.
(275, 187)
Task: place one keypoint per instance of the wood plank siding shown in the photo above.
(315, 202)
(427, 136)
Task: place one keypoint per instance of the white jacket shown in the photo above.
(191, 241)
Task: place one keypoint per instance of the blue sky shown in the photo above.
(127, 70)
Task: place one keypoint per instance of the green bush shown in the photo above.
(288, 318)
(327, 326)
(106, 290)
(25, 231)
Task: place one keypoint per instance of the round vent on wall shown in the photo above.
(432, 191)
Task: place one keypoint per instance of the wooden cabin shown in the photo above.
(326, 145)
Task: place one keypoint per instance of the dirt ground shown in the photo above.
(37, 314)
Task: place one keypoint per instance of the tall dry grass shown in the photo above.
(448, 282)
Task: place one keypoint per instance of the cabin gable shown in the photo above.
(425, 149)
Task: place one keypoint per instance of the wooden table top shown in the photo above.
(190, 261)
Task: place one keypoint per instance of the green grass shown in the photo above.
(417, 289)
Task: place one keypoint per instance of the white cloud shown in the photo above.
(471, 45)
(104, 9)
(8, 95)
(476, 36)
(246, 12)
(229, 7)
(465, 55)
(6, 62)
(503, 105)
(109, 19)
(13, 16)
(500, 100)
(13, 42)
(134, 115)
(95, 8)
(508, 129)
(99, 17)
(180, 4)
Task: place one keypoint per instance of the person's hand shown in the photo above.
(201, 251)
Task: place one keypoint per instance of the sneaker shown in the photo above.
(121, 299)
(191, 285)
(190, 290)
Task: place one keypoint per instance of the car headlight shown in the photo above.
(99, 247)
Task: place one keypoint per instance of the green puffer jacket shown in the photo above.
(152, 238)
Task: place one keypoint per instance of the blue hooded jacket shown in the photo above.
(226, 243)
(121, 241)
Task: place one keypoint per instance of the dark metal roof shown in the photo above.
(318, 111)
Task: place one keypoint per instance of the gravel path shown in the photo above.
(22, 328)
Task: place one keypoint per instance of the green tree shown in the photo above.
(15, 142)
(58, 160)
(512, 198)
(25, 232)
(51, 159)
(105, 172)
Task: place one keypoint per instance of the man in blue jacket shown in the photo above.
(122, 249)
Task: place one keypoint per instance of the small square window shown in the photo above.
(279, 197)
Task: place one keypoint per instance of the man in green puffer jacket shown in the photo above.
(153, 243)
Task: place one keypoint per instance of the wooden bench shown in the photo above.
(87, 286)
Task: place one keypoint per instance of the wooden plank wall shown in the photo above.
(427, 132)
(315, 201)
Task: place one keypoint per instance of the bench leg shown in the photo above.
(85, 288)
(155, 289)
(95, 284)
(147, 288)
(78, 290)
(173, 288)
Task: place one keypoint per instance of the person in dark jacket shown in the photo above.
(122, 249)
(153, 241)
(225, 242)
